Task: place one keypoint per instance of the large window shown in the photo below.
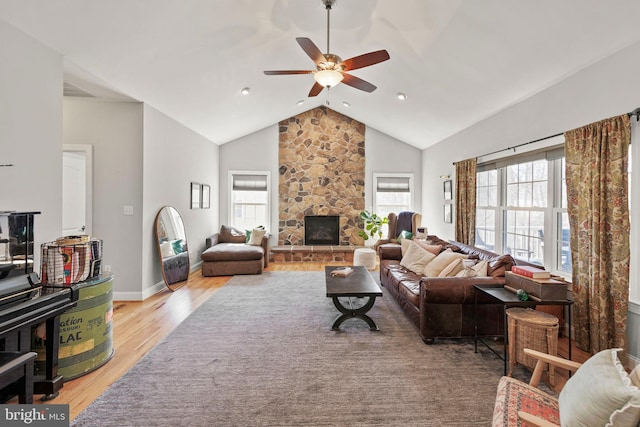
(249, 199)
(521, 209)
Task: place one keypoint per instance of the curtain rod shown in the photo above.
(635, 112)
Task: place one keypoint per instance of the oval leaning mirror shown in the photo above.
(172, 247)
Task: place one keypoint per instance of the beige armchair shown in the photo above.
(396, 221)
(599, 393)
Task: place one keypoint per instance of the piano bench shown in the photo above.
(16, 370)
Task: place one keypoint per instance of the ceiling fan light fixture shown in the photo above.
(328, 78)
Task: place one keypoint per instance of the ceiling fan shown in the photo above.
(331, 69)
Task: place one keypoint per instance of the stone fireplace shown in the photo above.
(321, 230)
(321, 172)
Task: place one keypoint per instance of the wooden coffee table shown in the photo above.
(352, 289)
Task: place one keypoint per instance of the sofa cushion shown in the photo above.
(416, 258)
(411, 290)
(440, 262)
(231, 235)
(232, 252)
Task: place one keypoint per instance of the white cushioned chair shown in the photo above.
(600, 393)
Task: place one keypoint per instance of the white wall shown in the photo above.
(115, 130)
(31, 132)
(175, 156)
(384, 153)
(255, 152)
(605, 89)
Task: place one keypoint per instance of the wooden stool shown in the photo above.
(532, 329)
(16, 369)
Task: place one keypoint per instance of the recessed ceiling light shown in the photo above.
(346, 104)
(300, 102)
(245, 90)
(401, 96)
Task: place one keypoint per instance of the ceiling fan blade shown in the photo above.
(358, 83)
(365, 60)
(311, 49)
(316, 89)
(282, 72)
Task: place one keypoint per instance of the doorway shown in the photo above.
(77, 189)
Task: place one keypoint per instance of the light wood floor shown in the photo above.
(139, 326)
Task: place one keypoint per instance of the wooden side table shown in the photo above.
(509, 299)
(528, 328)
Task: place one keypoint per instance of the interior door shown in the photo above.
(77, 172)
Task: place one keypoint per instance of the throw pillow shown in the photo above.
(404, 245)
(600, 393)
(256, 236)
(499, 265)
(247, 233)
(166, 250)
(452, 269)
(404, 234)
(230, 234)
(479, 269)
(416, 258)
(434, 249)
(440, 262)
(178, 246)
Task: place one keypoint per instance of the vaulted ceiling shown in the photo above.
(458, 61)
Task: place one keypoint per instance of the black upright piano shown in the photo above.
(25, 303)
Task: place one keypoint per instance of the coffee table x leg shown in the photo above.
(351, 312)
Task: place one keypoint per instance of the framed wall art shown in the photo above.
(195, 195)
(448, 213)
(448, 191)
(205, 194)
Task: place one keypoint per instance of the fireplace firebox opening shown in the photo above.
(322, 230)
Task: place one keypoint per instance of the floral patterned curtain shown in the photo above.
(466, 201)
(597, 198)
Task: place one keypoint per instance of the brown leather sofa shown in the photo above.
(445, 307)
(227, 254)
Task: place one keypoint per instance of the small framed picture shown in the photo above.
(195, 195)
(448, 214)
(448, 192)
(205, 194)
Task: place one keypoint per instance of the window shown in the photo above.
(394, 193)
(249, 199)
(521, 209)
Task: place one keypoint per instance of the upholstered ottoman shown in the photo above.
(365, 257)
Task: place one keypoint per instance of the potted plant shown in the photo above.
(372, 225)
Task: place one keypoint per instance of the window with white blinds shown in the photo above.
(249, 199)
(393, 193)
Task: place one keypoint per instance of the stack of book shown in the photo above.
(536, 282)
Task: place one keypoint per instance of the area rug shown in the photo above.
(261, 352)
